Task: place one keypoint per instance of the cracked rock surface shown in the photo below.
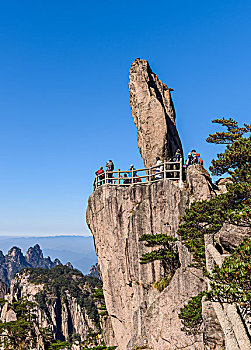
(153, 114)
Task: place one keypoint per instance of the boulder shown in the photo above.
(153, 114)
(230, 236)
(199, 183)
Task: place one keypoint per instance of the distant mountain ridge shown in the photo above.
(79, 250)
(15, 260)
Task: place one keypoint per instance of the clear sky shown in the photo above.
(64, 98)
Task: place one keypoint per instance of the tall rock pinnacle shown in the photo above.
(153, 114)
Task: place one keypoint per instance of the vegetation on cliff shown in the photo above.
(207, 217)
(61, 285)
(23, 332)
(167, 254)
(60, 279)
(231, 282)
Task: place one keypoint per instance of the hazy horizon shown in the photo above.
(45, 235)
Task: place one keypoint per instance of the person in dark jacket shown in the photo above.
(126, 181)
(109, 168)
(176, 158)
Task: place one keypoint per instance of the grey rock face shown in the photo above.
(14, 261)
(213, 335)
(3, 289)
(153, 114)
(230, 236)
(94, 272)
(200, 186)
(140, 314)
(62, 314)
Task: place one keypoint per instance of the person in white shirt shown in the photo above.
(159, 170)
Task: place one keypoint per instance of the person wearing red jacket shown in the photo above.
(101, 176)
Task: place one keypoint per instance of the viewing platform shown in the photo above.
(167, 170)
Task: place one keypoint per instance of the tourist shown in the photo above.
(126, 181)
(189, 160)
(194, 157)
(132, 172)
(159, 170)
(176, 158)
(101, 176)
(109, 168)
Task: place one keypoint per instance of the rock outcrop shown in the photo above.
(140, 314)
(200, 186)
(3, 289)
(14, 261)
(94, 272)
(153, 114)
(63, 300)
(230, 236)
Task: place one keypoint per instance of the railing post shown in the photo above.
(105, 176)
(118, 176)
(165, 169)
(132, 175)
(181, 169)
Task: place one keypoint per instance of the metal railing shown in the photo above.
(167, 170)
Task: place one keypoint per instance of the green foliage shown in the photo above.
(232, 282)
(157, 239)
(167, 254)
(163, 283)
(98, 294)
(160, 254)
(207, 217)
(191, 315)
(58, 280)
(2, 301)
(21, 333)
(59, 345)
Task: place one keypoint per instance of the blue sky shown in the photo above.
(64, 98)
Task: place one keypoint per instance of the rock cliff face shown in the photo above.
(153, 114)
(63, 299)
(94, 272)
(142, 317)
(3, 289)
(14, 261)
(140, 314)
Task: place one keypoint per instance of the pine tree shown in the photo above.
(231, 282)
(234, 206)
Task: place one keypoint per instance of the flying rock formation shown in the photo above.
(141, 315)
(153, 114)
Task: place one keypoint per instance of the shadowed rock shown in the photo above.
(153, 114)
